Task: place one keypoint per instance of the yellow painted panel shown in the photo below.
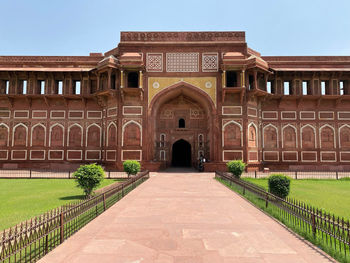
(206, 84)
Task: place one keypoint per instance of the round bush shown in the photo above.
(236, 167)
(131, 167)
(89, 177)
(279, 185)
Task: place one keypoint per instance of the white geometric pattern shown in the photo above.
(210, 62)
(154, 62)
(182, 62)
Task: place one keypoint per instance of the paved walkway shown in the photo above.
(183, 218)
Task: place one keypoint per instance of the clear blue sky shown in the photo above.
(77, 27)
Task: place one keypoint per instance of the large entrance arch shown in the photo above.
(181, 154)
(182, 117)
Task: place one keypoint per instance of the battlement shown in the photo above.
(225, 36)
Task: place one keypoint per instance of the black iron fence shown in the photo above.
(300, 174)
(50, 174)
(34, 238)
(327, 229)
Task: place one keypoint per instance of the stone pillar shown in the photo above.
(255, 80)
(243, 78)
(98, 82)
(121, 79)
(109, 81)
(140, 79)
(223, 78)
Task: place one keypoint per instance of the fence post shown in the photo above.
(296, 175)
(68, 174)
(62, 227)
(313, 221)
(267, 200)
(104, 201)
(255, 174)
(30, 173)
(336, 175)
(109, 174)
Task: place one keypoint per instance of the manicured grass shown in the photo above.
(333, 196)
(21, 199)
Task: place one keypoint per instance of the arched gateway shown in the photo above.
(182, 125)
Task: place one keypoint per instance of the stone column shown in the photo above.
(121, 79)
(223, 77)
(243, 78)
(140, 79)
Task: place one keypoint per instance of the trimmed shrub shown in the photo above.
(279, 185)
(131, 167)
(236, 167)
(89, 177)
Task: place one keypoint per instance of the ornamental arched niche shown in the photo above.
(270, 137)
(252, 135)
(289, 135)
(327, 137)
(57, 135)
(112, 134)
(38, 135)
(132, 134)
(20, 134)
(75, 134)
(232, 135)
(344, 136)
(4, 134)
(93, 135)
(308, 137)
(181, 89)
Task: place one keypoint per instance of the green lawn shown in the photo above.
(331, 195)
(21, 199)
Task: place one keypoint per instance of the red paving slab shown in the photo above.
(184, 217)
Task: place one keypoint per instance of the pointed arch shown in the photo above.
(110, 136)
(55, 136)
(289, 140)
(95, 139)
(325, 138)
(73, 136)
(18, 137)
(4, 134)
(140, 129)
(252, 137)
(36, 135)
(273, 141)
(304, 137)
(230, 136)
(344, 138)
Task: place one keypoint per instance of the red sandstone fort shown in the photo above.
(165, 98)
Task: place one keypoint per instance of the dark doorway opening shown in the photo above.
(181, 154)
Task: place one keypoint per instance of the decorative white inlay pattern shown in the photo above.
(182, 62)
(208, 84)
(154, 62)
(156, 85)
(210, 62)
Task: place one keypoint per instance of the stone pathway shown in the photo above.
(180, 218)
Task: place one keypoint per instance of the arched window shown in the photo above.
(182, 123)
(133, 80)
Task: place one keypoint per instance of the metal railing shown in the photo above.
(50, 174)
(34, 238)
(333, 231)
(300, 174)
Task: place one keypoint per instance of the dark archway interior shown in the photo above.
(181, 154)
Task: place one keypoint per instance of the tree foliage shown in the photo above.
(131, 167)
(89, 177)
(236, 167)
(279, 185)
